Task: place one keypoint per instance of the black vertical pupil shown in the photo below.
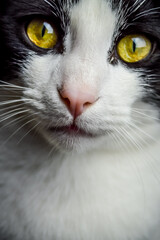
(134, 45)
(43, 30)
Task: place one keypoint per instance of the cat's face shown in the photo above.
(98, 66)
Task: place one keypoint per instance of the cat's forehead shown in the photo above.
(54, 7)
(66, 5)
(63, 8)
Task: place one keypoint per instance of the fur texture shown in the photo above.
(96, 176)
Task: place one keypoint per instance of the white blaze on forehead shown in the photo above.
(93, 22)
(91, 31)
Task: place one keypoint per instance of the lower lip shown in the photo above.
(71, 130)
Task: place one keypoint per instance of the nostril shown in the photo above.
(69, 99)
(65, 100)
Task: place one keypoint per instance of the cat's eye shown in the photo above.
(133, 48)
(42, 33)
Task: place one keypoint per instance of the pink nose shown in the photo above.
(77, 99)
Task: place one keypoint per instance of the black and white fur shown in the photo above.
(101, 182)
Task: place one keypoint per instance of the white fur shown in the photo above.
(82, 188)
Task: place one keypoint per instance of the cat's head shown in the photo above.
(87, 71)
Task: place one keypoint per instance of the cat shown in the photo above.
(79, 120)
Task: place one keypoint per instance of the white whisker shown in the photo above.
(13, 115)
(137, 169)
(148, 157)
(119, 137)
(14, 101)
(9, 96)
(144, 115)
(139, 139)
(7, 84)
(145, 134)
(147, 12)
(29, 131)
(17, 130)
(17, 119)
(11, 107)
(131, 138)
(137, 5)
(11, 111)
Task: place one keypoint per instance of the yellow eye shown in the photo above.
(134, 48)
(42, 34)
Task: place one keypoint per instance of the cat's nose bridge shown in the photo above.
(78, 98)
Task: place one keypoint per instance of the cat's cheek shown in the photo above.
(120, 91)
(41, 71)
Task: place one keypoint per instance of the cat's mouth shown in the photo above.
(71, 130)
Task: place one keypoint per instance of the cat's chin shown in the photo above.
(70, 138)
